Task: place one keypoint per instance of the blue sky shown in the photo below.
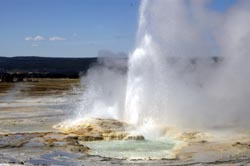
(70, 28)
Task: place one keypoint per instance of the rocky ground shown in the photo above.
(32, 132)
(56, 148)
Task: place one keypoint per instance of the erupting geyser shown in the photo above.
(190, 67)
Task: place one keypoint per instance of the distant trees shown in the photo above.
(18, 69)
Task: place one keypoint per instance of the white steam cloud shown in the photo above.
(190, 68)
(104, 87)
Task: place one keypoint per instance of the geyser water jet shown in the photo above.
(190, 68)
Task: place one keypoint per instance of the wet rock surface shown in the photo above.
(31, 140)
(56, 148)
(134, 137)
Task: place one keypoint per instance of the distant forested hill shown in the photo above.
(20, 68)
(44, 64)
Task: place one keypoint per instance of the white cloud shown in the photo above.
(28, 38)
(41, 38)
(38, 38)
(35, 38)
(56, 38)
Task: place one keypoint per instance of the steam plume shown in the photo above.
(190, 68)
